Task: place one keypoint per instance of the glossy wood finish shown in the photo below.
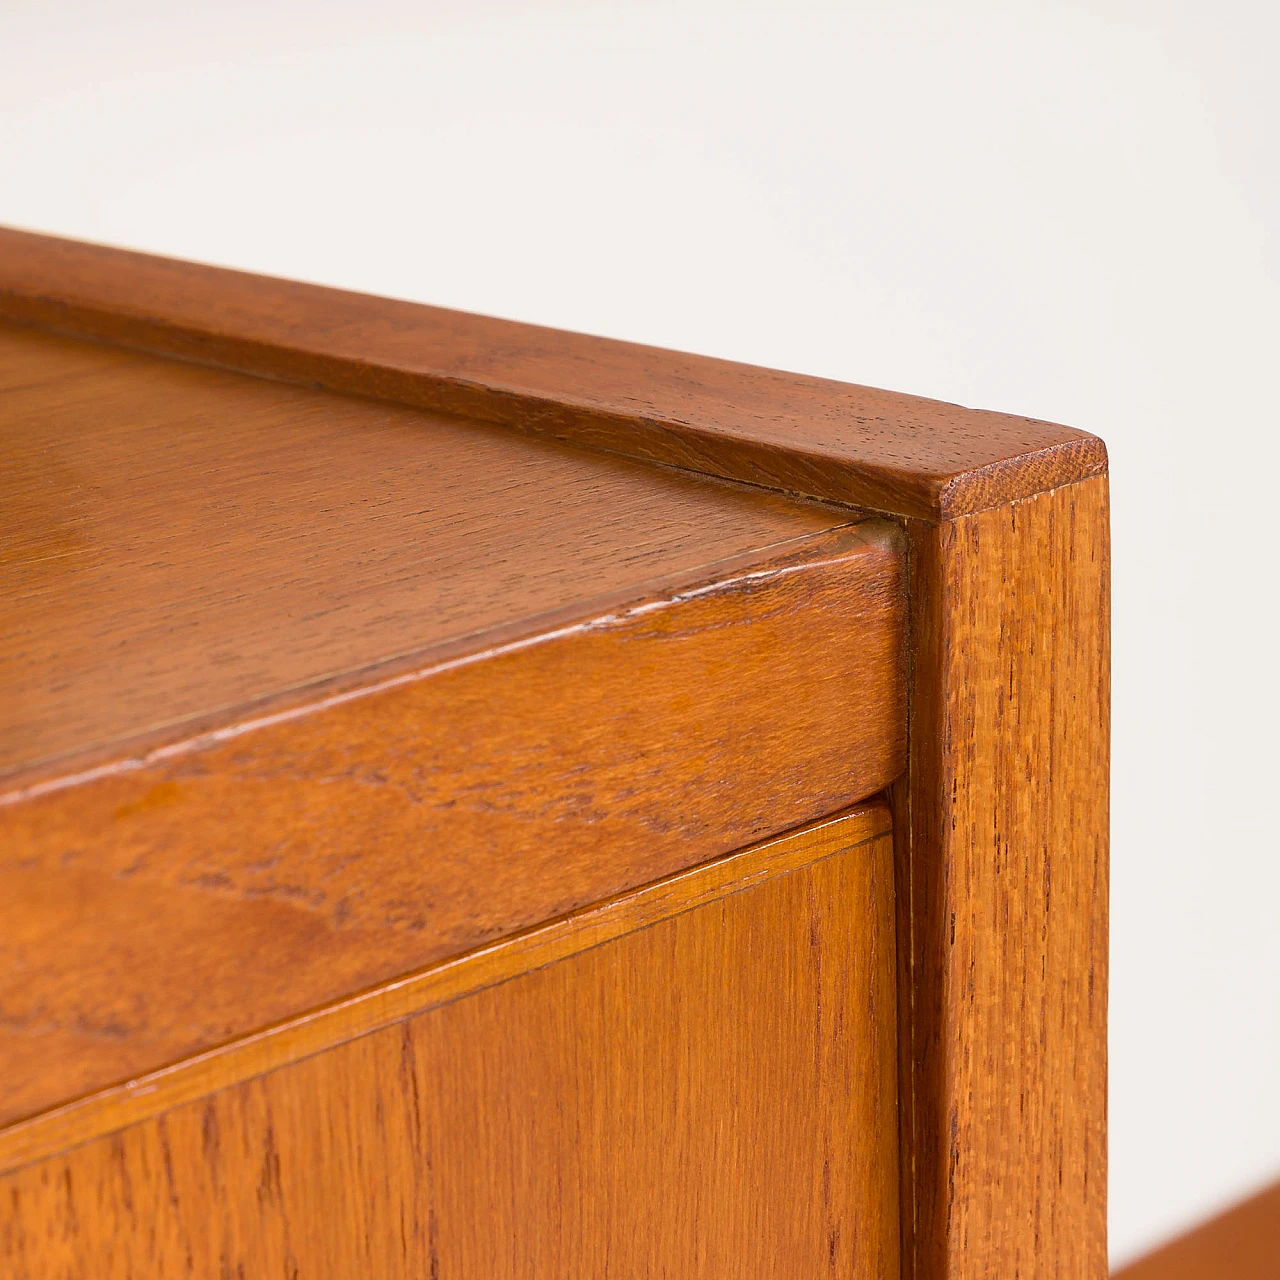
(383, 688)
(1241, 1244)
(180, 541)
(1003, 861)
(691, 1099)
(870, 448)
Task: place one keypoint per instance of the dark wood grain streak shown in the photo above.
(1002, 830)
(857, 445)
(713, 1095)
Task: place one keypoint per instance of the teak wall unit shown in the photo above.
(480, 800)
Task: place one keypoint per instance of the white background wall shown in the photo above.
(1061, 208)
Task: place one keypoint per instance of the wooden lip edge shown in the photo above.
(109, 1110)
(827, 474)
(845, 537)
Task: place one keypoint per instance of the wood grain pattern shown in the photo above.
(1241, 1244)
(711, 1096)
(1002, 828)
(316, 1030)
(214, 886)
(182, 544)
(870, 448)
(626, 744)
(302, 692)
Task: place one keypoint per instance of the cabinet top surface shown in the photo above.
(182, 543)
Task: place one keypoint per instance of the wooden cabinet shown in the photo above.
(477, 800)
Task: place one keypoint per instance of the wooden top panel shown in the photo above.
(875, 449)
(180, 541)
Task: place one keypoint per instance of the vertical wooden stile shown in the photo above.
(1002, 850)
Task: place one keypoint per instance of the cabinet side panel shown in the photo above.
(711, 1096)
(1003, 874)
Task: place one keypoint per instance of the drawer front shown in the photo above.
(701, 1082)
